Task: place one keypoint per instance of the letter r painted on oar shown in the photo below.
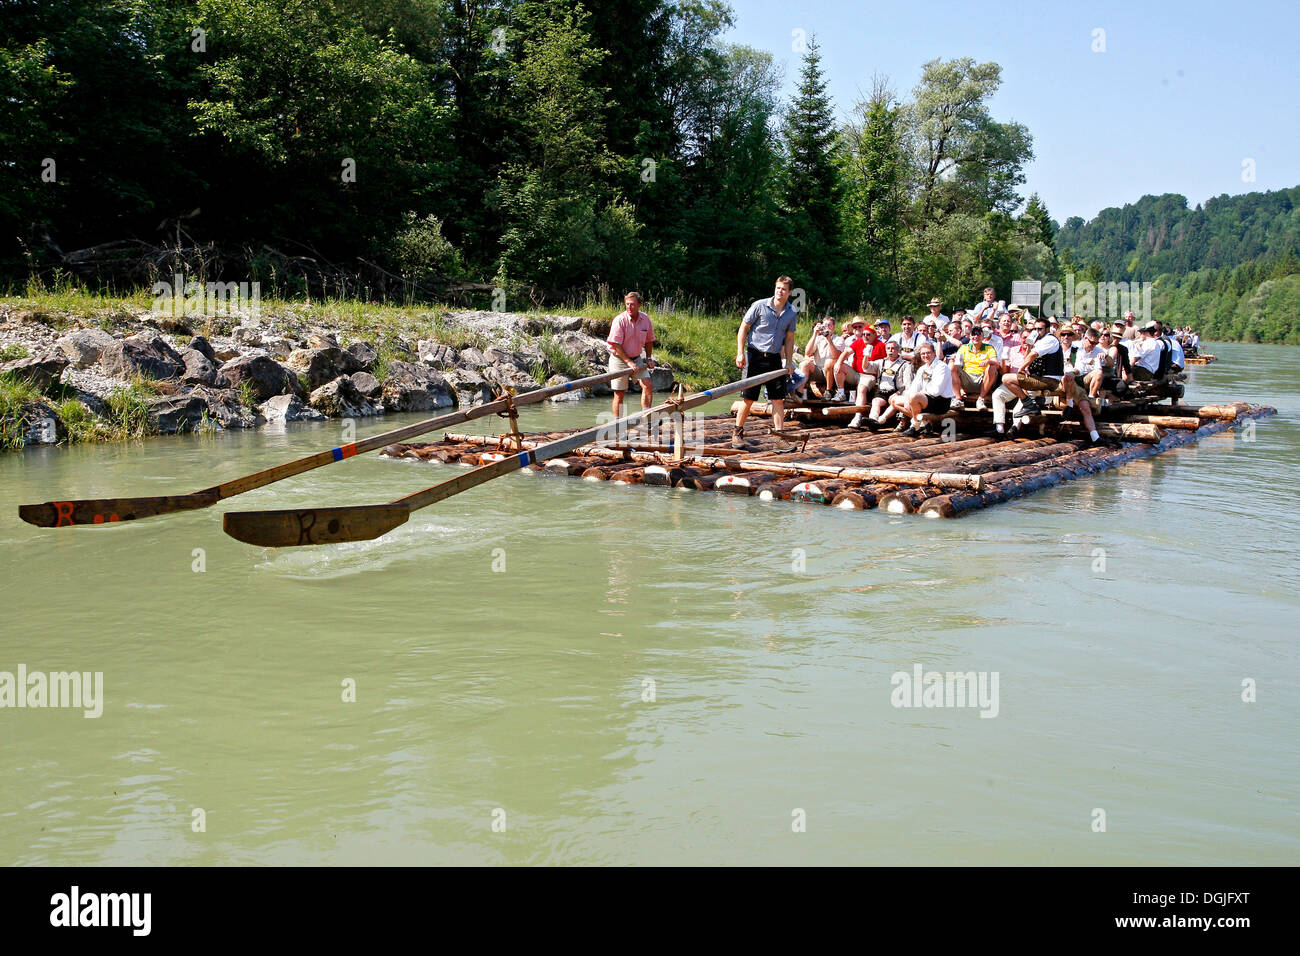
(64, 511)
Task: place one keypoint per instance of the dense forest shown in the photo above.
(535, 145)
(443, 149)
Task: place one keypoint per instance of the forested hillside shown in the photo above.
(1230, 268)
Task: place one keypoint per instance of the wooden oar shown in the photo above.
(303, 526)
(95, 511)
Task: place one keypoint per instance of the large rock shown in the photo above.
(437, 356)
(187, 411)
(496, 355)
(200, 370)
(509, 376)
(322, 365)
(84, 348)
(597, 328)
(287, 408)
(363, 355)
(576, 395)
(415, 388)
(341, 399)
(41, 371)
(471, 387)
(577, 345)
(470, 358)
(320, 339)
(566, 323)
(147, 355)
(39, 424)
(279, 347)
(223, 350)
(267, 376)
(368, 386)
(203, 347)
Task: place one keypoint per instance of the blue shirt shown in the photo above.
(767, 329)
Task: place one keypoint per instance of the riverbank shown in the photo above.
(78, 367)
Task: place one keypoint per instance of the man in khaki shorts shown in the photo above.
(630, 334)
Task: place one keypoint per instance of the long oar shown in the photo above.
(94, 511)
(279, 529)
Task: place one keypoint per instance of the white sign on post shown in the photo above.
(1027, 292)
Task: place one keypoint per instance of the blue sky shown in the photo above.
(1181, 96)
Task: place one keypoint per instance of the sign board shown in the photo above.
(1027, 292)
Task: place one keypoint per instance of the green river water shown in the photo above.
(501, 711)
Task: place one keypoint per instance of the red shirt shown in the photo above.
(859, 347)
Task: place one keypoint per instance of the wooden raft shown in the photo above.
(858, 470)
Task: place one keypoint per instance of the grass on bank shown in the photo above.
(127, 412)
(700, 345)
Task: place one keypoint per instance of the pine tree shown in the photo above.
(812, 179)
(1036, 224)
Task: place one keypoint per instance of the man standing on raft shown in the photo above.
(765, 343)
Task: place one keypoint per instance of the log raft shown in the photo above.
(859, 470)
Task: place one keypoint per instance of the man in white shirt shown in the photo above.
(1179, 359)
(819, 356)
(1042, 372)
(987, 308)
(929, 393)
(1089, 364)
(936, 313)
(1145, 353)
(909, 338)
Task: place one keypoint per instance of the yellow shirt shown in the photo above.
(970, 359)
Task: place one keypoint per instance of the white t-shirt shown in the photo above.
(1180, 357)
(908, 344)
(1146, 353)
(1089, 359)
(934, 379)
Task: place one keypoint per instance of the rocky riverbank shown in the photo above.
(81, 377)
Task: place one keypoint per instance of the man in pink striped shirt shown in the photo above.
(630, 334)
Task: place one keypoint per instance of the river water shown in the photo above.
(551, 671)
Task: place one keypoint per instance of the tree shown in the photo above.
(969, 163)
(812, 188)
(556, 194)
(875, 174)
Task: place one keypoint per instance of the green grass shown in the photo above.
(560, 361)
(14, 394)
(128, 413)
(10, 353)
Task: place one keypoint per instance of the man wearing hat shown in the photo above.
(861, 348)
(936, 311)
(1145, 354)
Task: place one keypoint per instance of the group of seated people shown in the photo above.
(992, 353)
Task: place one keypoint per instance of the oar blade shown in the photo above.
(306, 526)
(93, 511)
